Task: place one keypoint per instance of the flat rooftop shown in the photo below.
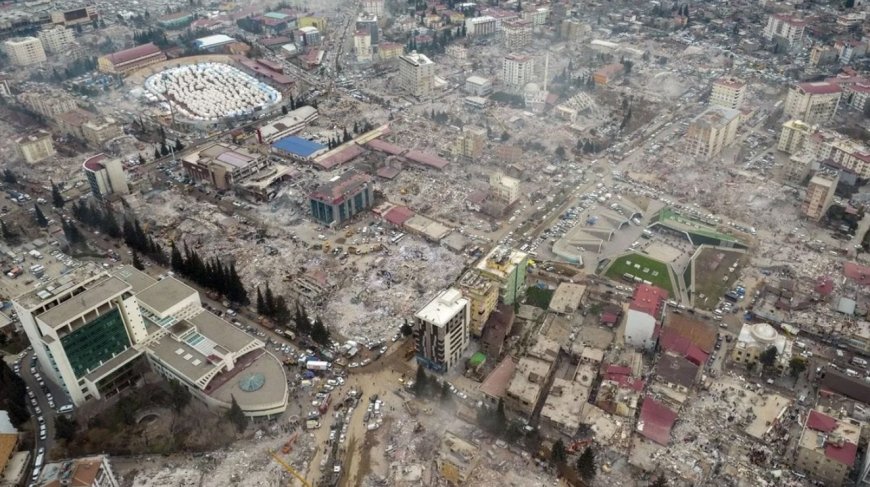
(241, 383)
(501, 261)
(443, 307)
(164, 294)
(564, 403)
(95, 295)
(137, 279)
(528, 379)
(765, 414)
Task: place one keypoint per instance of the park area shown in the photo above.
(715, 271)
(634, 266)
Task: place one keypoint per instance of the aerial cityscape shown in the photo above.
(434, 243)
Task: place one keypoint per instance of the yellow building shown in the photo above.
(820, 193)
(792, 136)
(813, 103)
(457, 459)
(483, 297)
(470, 143)
(712, 131)
(309, 21)
(36, 146)
(390, 50)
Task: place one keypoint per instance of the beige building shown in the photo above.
(129, 60)
(222, 165)
(754, 339)
(785, 27)
(48, 103)
(524, 391)
(712, 131)
(416, 74)
(441, 330)
(56, 39)
(517, 71)
(728, 92)
(79, 472)
(470, 143)
(456, 459)
(517, 34)
(813, 103)
(482, 295)
(504, 188)
(561, 410)
(24, 51)
(792, 136)
(36, 146)
(100, 130)
(362, 46)
(820, 193)
(105, 176)
(827, 447)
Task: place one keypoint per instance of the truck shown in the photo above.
(317, 365)
(324, 404)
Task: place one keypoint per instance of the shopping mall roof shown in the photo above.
(298, 146)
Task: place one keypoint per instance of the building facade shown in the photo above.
(35, 147)
(129, 60)
(792, 136)
(56, 39)
(470, 143)
(416, 74)
(24, 51)
(755, 339)
(480, 26)
(504, 188)
(105, 176)
(48, 103)
(728, 92)
(482, 295)
(517, 34)
(645, 313)
(222, 165)
(362, 46)
(93, 471)
(827, 447)
(813, 103)
(507, 268)
(712, 131)
(784, 27)
(517, 71)
(441, 330)
(819, 195)
(342, 198)
(478, 86)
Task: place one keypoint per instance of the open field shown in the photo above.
(643, 267)
(712, 278)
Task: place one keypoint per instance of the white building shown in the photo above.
(374, 7)
(755, 339)
(480, 26)
(728, 92)
(517, 34)
(35, 146)
(92, 331)
(441, 330)
(789, 29)
(24, 51)
(712, 131)
(504, 188)
(289, 124)
(793, 135)
(56, 39)
(478, 86)
(362, 46)
(813, 103)
(416, 74)
(517, 71)
(105, 175)
(645, 312)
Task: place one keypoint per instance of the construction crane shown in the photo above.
(290, 469)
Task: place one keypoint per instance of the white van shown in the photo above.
(68, 408)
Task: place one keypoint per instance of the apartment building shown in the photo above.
(390, 50)
(482, 295)
(416, 74)
(827, 447)
(342, 198)
(507, 268)
(24, 51)
(784, 27)
(793, 135)
(517, 71)
(48, 103)
(368, 22)
(92, 331)
(35, 146)
(478, 86)
(480, 26)
(711, 131)
(362, 46)
(56, 39)
(728, 92)
(105, 176)
(470, 143)
(517, 34)
(645, 313)
(820, 193)
(441, 330)
(813, 103)
(504, 188)
(374, 7)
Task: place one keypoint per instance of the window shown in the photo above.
(96, 342)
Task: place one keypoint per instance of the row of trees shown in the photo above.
(138, 241)
(12, 395)
(276, 309)
(209, 273)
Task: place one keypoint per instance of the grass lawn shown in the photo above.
(644, 267)
(539, 297)
(712, 278)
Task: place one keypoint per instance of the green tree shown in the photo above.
(237, 416)
(175, 258)
(141, 159)
(505, 136)
(56, 197)
(180, 395)
(178, 145)
(768, 357)
(445, 391)
(137, 262)
(319, 332)
(13, 393)
(65, 428)
(586, 464)
(660, 481)
(157, 154)
(558, 453)
(9, 177)
(406, 329)
(796, 366)
(40, 217)
(421, 381)
(261, 305)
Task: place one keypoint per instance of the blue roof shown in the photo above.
(297, 146)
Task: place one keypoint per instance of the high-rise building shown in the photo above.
(813, 103)
(507, 268)
(820, 193)
(79, 472)
(341, 198)
(362, 46)
(480, 26)
(35, 146)
(728, 92)
(517, 71)
(48, 103)
(441, 330)
(374, 7)
(368, 22)
(711, 131)
(92, 331)
(517, 34)
(504, 188)
(482, 295)
(471, 142)
(827, 447)
(105, 175)
(24, 51)
(786, 27)
(416, 74)
(793, 135)
(56, 39)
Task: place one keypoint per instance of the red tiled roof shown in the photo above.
(618, 370)
(857, 273)
(821, 422)
(820, 88)
(609, 317)
(824, 286)
(343, 156)
(696, 355)
(656, 421)
(398, 215)
(648, 299)
(430, 160)
(383, 146)
(844, 453)
(134, 53)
